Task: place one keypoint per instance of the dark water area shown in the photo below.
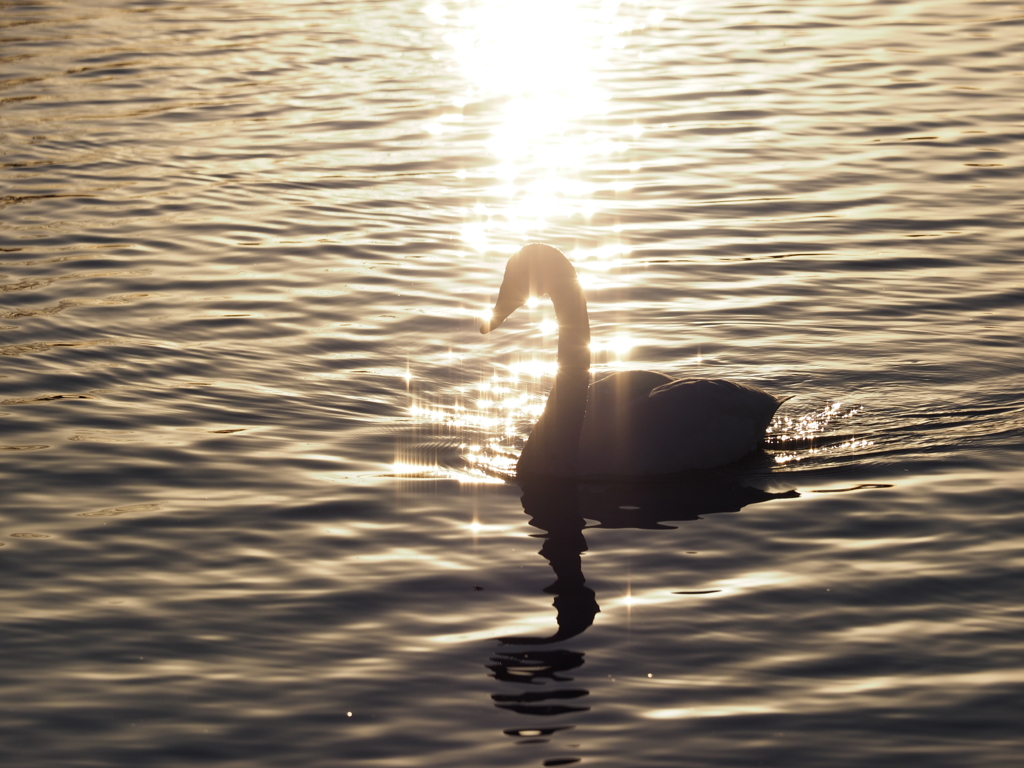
(254, 504)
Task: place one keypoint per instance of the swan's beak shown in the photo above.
(502, 310)
(512, 295)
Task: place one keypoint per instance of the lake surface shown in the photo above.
(252, 443)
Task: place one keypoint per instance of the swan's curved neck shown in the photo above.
(573, 324)
(553, 447)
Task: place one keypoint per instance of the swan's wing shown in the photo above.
(680, 425)
(719, 396)
(617, 389)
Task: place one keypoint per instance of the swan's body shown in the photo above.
(630, 424)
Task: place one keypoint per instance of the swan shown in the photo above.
(630, 423)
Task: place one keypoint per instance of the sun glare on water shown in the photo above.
(538, 63)
(533, 87)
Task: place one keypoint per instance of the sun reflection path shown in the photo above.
(533, 72)
(536, 102)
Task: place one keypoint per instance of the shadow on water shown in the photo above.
(560, 510)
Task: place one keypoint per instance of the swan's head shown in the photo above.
(532, 271)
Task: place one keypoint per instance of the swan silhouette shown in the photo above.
(630, 423)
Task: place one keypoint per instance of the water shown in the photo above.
(250, 432)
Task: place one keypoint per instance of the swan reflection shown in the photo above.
(553, 507)
(560, 510)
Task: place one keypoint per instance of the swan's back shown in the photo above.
(644, 423)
